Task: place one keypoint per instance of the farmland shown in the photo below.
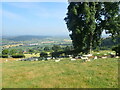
(64, 74)
(97, 73)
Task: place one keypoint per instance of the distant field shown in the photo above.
(100, 73)
(26, 56)
(32, 55)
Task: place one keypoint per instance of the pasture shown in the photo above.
(100, 73)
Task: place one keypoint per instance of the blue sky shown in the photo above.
(39, 18)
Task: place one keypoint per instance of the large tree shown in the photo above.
(87, 20)
(112, 18)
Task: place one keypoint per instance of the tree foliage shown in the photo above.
(87, 20)
(5, 52)
(43, 55)
(18, 55)
(56, 48)
(13, 51)
(117, 50)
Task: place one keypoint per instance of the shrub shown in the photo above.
(43, 55)
(18, 55)
(5, 51)
(117, 50)
(4, 56)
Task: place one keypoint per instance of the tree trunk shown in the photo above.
(90, 43)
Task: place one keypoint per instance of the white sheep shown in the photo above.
(57, 60)
(85, 58)
(95, 57)
(70, 57)
(105, 54)
(117, 57)
(103, 57)
(48, 58)
(36, 59)
(73, 59)
(88, 55)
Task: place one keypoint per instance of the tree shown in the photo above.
(20, 51)
(18, 55)
(87, 20)
(43, 55)
(68, 48)
(31, 51)
(56, 48)
(55, 54)
(13, 51)
(46, 48)
(81, 21)
(5, 52)
(112, 18)
(117, 50)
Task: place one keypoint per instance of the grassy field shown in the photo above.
(100, 73)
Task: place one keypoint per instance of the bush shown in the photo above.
(5, 51)
(117, 50)
(43, 55)
(18, 55)
(4, 56)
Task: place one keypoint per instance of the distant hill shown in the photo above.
(24, 37)
(108, 42)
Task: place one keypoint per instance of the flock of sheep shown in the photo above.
(85, 58)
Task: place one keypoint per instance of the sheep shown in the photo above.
(87, 55)
(117, 57)
(57, 60)
(103, 57)
(36, 59)
(73, 59)
(84, 58)
(95, 57)
(87, 60)
(48, 58)
(105, 54)
(70, 57)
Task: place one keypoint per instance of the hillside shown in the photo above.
(24, 37)
(108, 42)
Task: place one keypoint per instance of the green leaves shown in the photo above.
(87, 20)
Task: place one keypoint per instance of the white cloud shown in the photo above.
(40, 10)
(11, 15)
(25, 5)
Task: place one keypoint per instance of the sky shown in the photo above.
(34, 18)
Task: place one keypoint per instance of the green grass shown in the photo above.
(100, 73)
(102, 52)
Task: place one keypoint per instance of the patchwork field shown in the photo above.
(100, 73)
